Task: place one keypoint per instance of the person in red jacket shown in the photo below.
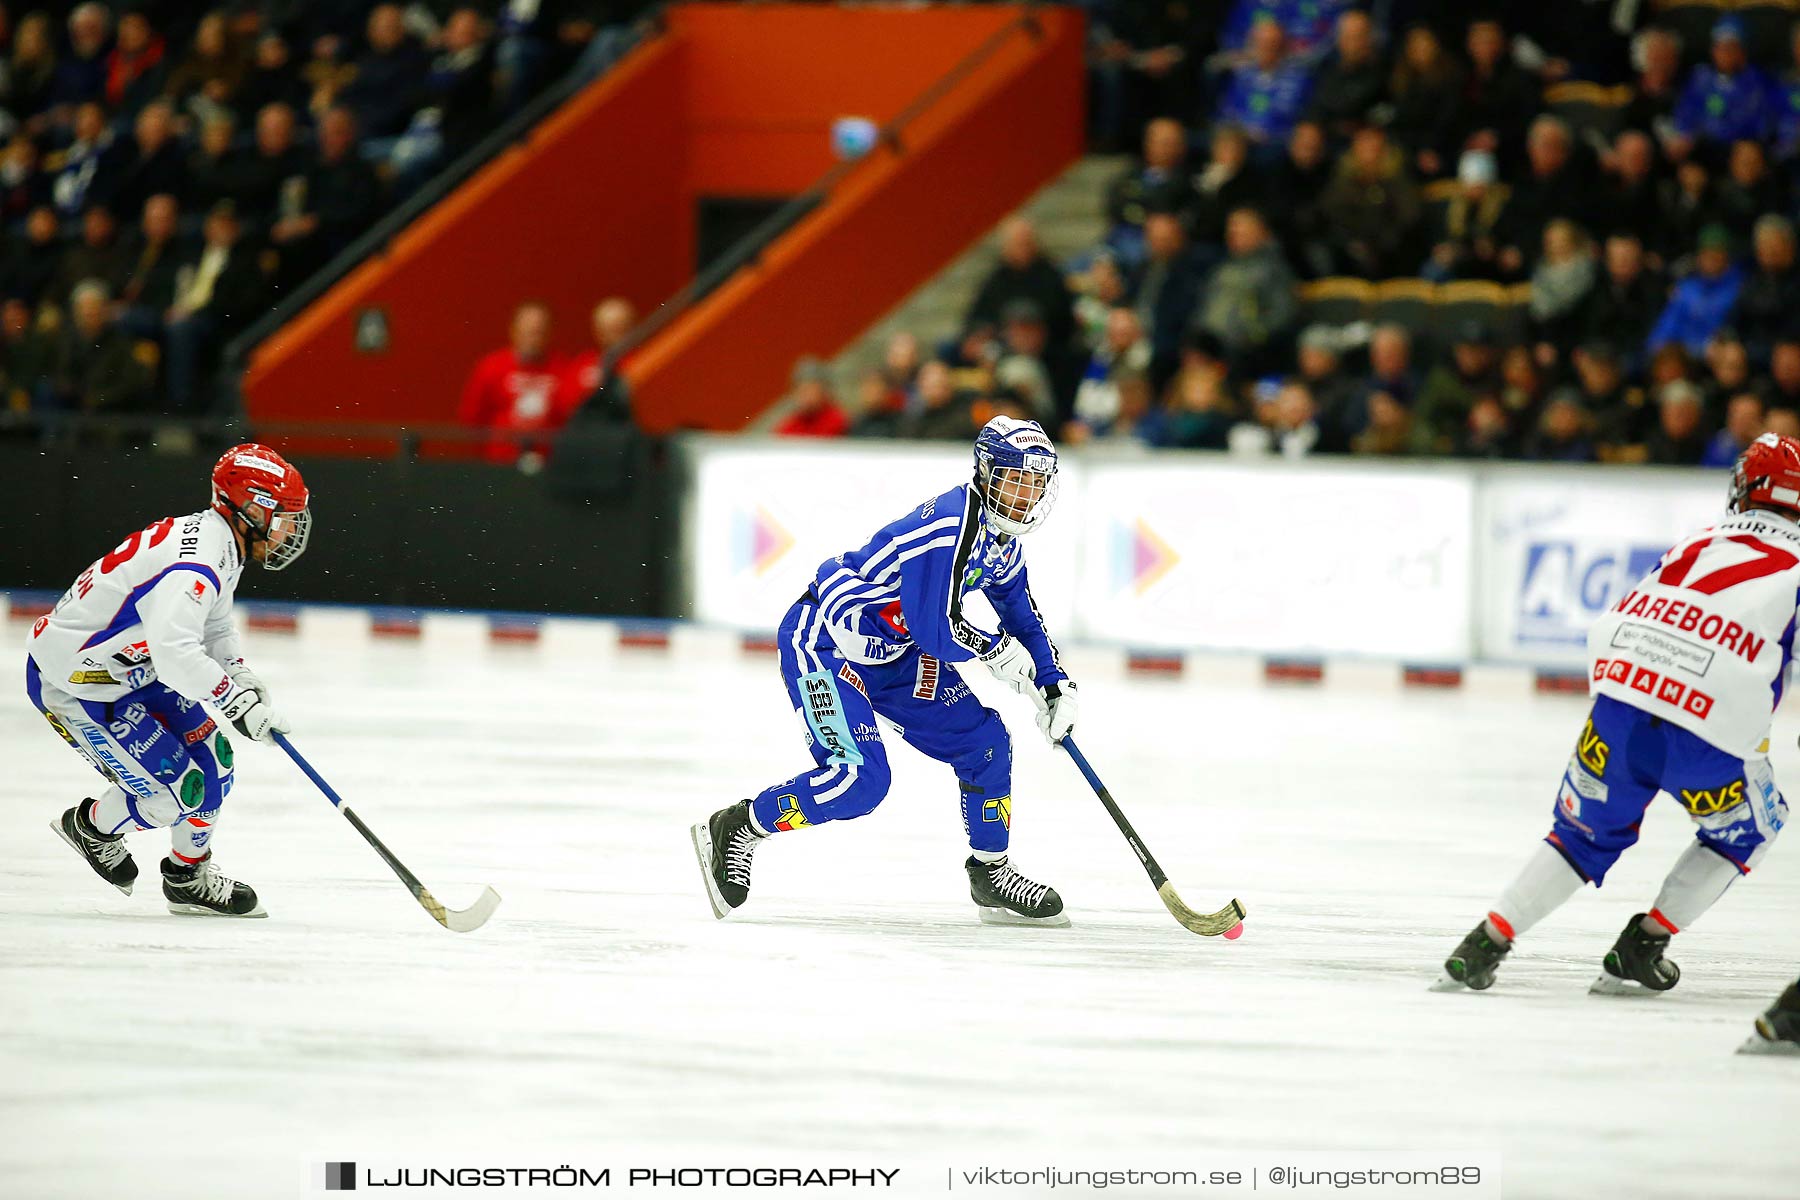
(516, 390)
(815, 412)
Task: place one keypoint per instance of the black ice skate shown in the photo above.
(1778, 1030)
(725, 844)
(105, 853)
(1006, 897)
(1635, 966)
(1473, 963)
(201, 890)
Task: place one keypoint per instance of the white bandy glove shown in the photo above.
(251, 714)
(1057, 713)
(1011, 664)
(244, 677)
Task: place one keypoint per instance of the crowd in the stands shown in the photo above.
(1553, 232)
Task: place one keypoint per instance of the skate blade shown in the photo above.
(702, 839)
(1759, 1045)
(57, 829)
(200, 910)
(1006, 916)
(1608, 985)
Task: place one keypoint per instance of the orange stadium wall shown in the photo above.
(732, 101)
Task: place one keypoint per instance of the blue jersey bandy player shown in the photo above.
(876, 634)
(1686, 672)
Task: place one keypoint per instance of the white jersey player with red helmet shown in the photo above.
(1686, 673)
(125, 664)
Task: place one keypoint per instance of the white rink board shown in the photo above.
(1560, 546)
(1309, 560)
(857, 1010)
(761, 516)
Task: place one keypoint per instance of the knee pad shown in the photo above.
(864, 790)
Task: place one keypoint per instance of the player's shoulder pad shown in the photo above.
(205, 538)
(951, 503)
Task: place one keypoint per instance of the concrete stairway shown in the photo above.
(1070, 215)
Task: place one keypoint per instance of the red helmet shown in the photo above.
(1767, 475)
(264, 494)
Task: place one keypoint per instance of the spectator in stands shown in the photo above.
(880, 411)
(1103, 289)
(1565, 430)
(1768, 306)
(1677, 439)
(1726, 101)
(1728, 373)
(1125, 351)
(1228, 182)
(1560, 284)
(388, 78)
(98, 368)
(1781, 389)
(900, 361)
(336, 203)
(154, 255)
(1023, 273)
(1024, 365)
(271, 78)
(1353, 80)
(28, 78)
(612, 319)
(74, 168)
(1749, 189)
(1700, 304)
(1307, 24)
(1426, 91)
(815, 411)
(514, 390)
(270, 180)
(1556, 183)
(100, 255)
(1744, 423)
(26, 359)
(22, 186)
(1157, 182)
(1471, 239)
(1658, 87)
(135, 69)
(152, 163)
(31, 263)
(223, 291)
(1200, 413)
(1372, 208)
(1248, 303)
(1268, 93)
(1498, 97)
(1629, 198)
(1621, 417)
(1782, 422)
(458, 90)
(1391, 385)
(1300, 180)
(1689, 204)
(1451, 389)
(945, 412)
(81, 74)
(1166, 290)
(205, 83)
(216, 166)
(1333, 392)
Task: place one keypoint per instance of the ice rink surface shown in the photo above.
(856, 1006)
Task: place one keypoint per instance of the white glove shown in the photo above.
(1011, 664)
(250, 713)
(1057, 713)
(244, 677)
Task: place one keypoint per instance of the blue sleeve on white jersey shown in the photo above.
(1019, 614)
(931, 585)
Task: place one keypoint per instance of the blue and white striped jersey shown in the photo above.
(906, 588)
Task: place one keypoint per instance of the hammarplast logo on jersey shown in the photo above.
(1568, 583)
